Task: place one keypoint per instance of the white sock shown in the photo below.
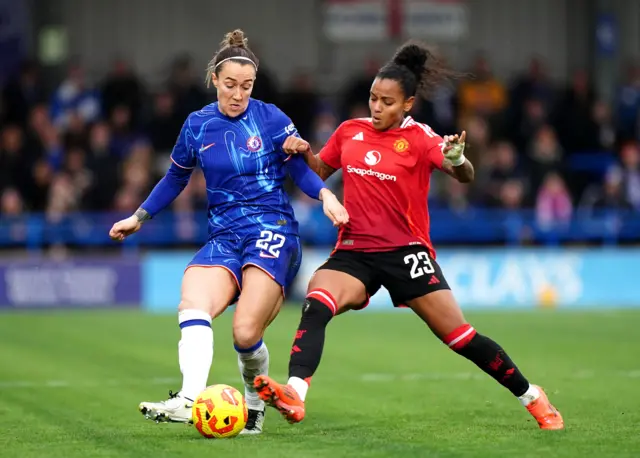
(529, 396)
(195, 351)
(299, 385)
(253, 362)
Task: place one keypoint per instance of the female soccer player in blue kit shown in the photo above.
(253, 248)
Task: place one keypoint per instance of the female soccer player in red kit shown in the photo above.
(387, 161)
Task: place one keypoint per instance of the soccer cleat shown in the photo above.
(254, 424)
(282, 397)
(545, 413)
(175, 409)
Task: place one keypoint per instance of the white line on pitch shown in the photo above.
(366, 378)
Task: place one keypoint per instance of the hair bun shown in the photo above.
(235, 39)
(414, 57)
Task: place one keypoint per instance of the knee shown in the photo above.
(246, 333)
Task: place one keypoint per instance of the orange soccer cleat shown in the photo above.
(545, 413)
(282, 397)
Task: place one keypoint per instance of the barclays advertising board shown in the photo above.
(83, 282)
(496, 278)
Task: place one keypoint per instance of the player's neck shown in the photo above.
(395, 125)
(224, 113)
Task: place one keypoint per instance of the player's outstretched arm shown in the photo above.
(296, 145)
(161, 197)
(455, 163)
(304, 178)
(318, 165)
(313, 186)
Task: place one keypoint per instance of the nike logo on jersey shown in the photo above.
(204, 148)
(359, 136)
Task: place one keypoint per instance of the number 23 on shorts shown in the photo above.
(270, 244)
(420, 264)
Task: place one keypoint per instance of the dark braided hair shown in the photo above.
(417, 70)
(233, 45)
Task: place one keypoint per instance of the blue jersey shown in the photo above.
(243, 165)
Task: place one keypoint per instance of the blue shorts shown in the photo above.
(278, 255)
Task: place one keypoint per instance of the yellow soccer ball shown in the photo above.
(220, 411)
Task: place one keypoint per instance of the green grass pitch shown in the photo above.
(70, 383)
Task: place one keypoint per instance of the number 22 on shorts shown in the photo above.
(416, 269)
(270, 243)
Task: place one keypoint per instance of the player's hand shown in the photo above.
(126, 227)
(333, 209)
(454, 148)
(295, 145)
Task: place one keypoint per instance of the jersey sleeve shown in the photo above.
(280, 127)
(331, 153)
(183, 154)
(433, 146)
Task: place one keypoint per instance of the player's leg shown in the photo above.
(209, 285)
(426, 292)
(443, 315)
(270, 263)
(258, 305)
(330, 293)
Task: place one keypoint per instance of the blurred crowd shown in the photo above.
(552, 146)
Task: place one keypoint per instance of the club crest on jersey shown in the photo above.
(254, 143)
(401, 145)
(372, 158)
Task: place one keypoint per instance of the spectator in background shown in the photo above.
(11, 203)
(122, 88)
(478, 139)
(164, 126)
(75, 135)
(187, 90)
(358, 88)
(185, 225)
(123, 135)
(73, 96)
(512, 194)
(265, 87)
(612, 195)
(532, 85)
(457, 196)
(544, 155)
(574, 116)
(35, 131)
(37, 194)
(105, 166)
(629, 103)
(15, 161)
(483, 95)
(502, 169)
(628, 170)
(63, 198)
(325, 124)
(80, 176)
(534, 117)
(12, 209)
(21, 94)
(554, 208)
(603, 134)
(301, 102)
(52, 147)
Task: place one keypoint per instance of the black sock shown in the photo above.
(491, 358)
(309, 341)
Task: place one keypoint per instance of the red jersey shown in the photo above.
(386, 183)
